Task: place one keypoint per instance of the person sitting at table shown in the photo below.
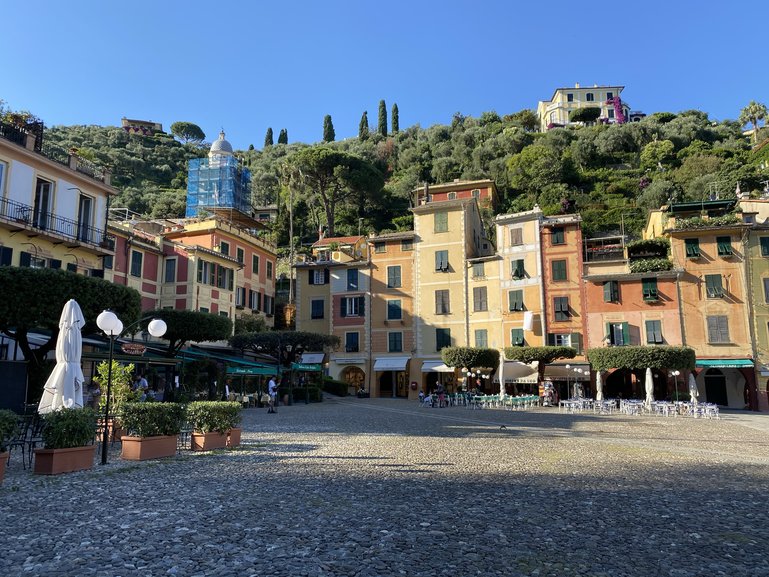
(421, 397)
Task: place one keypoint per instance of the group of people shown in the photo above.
(435, 398)
(147, 393)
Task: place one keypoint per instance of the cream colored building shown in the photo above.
(556, 111)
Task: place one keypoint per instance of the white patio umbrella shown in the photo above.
(694, 393)
(598, 386)
(501, 374)
(64, 388)
(649, 388)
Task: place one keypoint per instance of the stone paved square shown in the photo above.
(379, 487)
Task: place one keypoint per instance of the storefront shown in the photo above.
(391, 378)
(434, 372)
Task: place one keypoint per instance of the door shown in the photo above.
(84, 218)
(42, 209)
(715, 387)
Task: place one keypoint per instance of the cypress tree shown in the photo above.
(250, 146)
(268, 137)
(283, 136)
(382, 121)
(328, 129)
(394, 124)
(363, 126)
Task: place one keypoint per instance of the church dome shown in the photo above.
(221, 146)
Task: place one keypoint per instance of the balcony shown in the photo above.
(21, 217)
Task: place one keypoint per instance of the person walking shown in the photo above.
(272, 389)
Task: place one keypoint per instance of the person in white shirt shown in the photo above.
(272, 388)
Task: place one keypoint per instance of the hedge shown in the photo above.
(470, 357)
(542, 354)
(210, 416)
(650, 265)
(640, 357)
(151, 419)
(338, 388)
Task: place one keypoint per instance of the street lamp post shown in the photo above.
(112, 326)
(568, 387)
(675, 376)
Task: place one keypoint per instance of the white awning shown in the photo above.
(436, 367)
(391, 363)
(559, 372)
(517, 372)
(312, 358)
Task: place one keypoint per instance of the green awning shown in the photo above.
(724, 363)
(250, 371)
(305, 367)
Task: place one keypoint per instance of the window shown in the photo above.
(394, 342)
(480, 299)
(351, 342)
(211, 274)
(557, 236)
(442, 302)
(319, 276)
(136, 263)
(764, 245)
(724, 244)
(223, 314)
(516, 337)
(352, 307)
(561, 308)
(589, 97)
(518, 270)
(649, 288)
(380, 247)
(84, 216)
(766, 290)
(255, 264)
(352, 279)
(479, 270)
(609, 95)
(394, 310)
(269, 270)
(224, 248)
(654, 332)
(43, 201)
(611, 291)
(108, 260)
(394, 276)
(407, 244)
(317, 309)
(259, 301)
(451, 196)
(481, 338)
(442, 338)
(241, 255)
(3, 171)
(476, 193)
(713, 286)
(515, 299)
(240, 296)
(558, 268)
(269, 305)
(516, 236)
(718, 329)
(569, 97)
(252, 300)
(559, 339)
(618, 334)
(203, 309)
(170, 275)
(442, 260)
(610, 113)
(692, 247)
(441, 221)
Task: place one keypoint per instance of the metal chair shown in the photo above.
(19, 438)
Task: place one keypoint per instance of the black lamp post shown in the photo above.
(112, 326)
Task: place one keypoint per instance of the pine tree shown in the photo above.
(363, 126)
(283, 136)
(382, 121)
(394, 124)
(328, 129)
(250, 146)
(268, 138)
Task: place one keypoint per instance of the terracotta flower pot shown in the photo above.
(3, 462)
(233, 437)
(57, 461)
(208, 441)
(144, 448)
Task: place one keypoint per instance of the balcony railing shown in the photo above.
(46, 222)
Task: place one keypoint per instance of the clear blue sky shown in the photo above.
(249, 65)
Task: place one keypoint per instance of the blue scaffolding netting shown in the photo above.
(217, 183)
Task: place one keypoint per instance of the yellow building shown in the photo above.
(557, 110)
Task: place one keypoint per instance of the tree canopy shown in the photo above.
(329, 135)
(184, 325)
(188, 132)
(277, 343)
(470, 357)
(641, 357)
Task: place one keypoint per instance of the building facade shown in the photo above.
(557, 111)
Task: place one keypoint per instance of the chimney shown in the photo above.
(576, 85)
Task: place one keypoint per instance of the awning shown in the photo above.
(316, 367)
(724, 363)
(436, 367)
(391, 363)
(559, 372)
(242, 371)
(312, 358)
(205, 354)
(517, 372)
(349, 361)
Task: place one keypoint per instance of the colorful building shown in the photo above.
(557, 111)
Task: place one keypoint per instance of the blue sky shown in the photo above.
(246, 66)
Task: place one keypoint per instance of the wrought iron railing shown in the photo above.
(13, 133)
(44, 220)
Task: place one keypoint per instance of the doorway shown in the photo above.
(715, 387)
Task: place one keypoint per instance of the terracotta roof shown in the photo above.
(339, 240)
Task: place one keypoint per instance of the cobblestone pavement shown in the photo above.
(380, 487)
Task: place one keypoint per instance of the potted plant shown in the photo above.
(213, 422)
(68, 436)
(120, 391)
(8, 423)
(150, 430)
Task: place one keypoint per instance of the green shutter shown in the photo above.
(713, 286)
(625, 334)
(6, 255)
(764, 245)
(724, 244)
(692, 247)
(607, 292)
(649, 287)
(516, 337)
(25, 258)
(576, 339)
(518, 269)
(515, 299)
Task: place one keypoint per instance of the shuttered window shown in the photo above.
(479, 270)
(515, 300)
(481, 338)
(692, 247)
(393, 276)
(713, 287)
(317, 309)
(649, 288)
(480, 301)
(352, 279)
(516, 337)
(394, 342)
(516, 236)
(764, 245)
(394, 310)
(618, 334)
(558, 268)
(442, 338)
(561, 308)
(442, 303)
(518, 270)
(654, 332)
(557, 236)
(442, 260)
(611, 291)
(352, 307)
(441, 222)
(718, 329)
(724, 244)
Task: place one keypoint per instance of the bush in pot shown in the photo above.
(68, 436)
(212, 422)
(8, 423)
(150, 429)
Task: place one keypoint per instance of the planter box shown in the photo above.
(57, 461)
(3, 462)
(208, 441)
(233, 437)
(144, 448)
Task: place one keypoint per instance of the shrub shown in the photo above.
(8, 421)
(210, 416)
(314, 394)
(650, 265)
(151, 419)
(544, 355)
(587, 114)
(641, 357)
(699, 222)
(68, 428)
(338, 388)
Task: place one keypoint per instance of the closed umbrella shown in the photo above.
(64, 387)
(598, 386)
(693, 391)
(649, 388)
(501, 374)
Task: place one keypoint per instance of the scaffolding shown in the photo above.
(217, 183)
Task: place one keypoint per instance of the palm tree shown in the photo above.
(751, 114)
